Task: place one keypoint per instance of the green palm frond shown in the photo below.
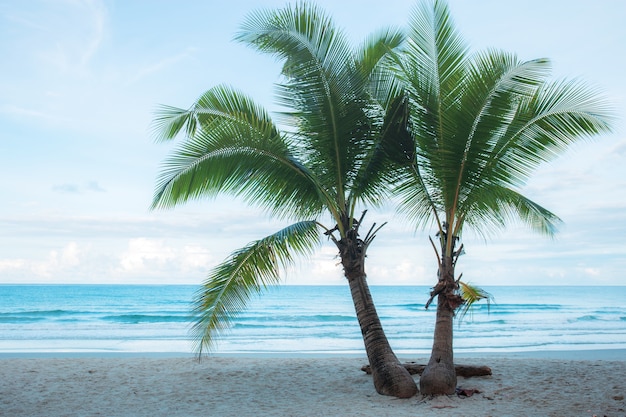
(220, 103)
(376, 50)
(301, 34)
(472, 294)
(246, 272)
(393, 151)
(419, 200)
(237, 149)
(493, 207)
(170, 121)
(436, 56)
(560, 114)
(324, 88)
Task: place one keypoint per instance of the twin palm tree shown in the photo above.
(326, 160)
(454, 134)
(480, 125)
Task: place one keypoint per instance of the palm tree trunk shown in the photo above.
(439, 376)
(390, 377)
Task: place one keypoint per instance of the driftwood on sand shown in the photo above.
(461, 370)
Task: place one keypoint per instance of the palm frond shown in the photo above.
(302, 34)
(420, 195)
(472, 294)
(379, 172)
(436, 55)
(237, 149)
(169, 121)
(492, 90)
(377, 48)
(393, 146)
(491, 207)
(560, 114)
(324, 87)
(535, 216)
(247, 271)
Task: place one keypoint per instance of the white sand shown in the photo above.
(297, 387)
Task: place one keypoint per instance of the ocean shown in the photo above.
(295, 320)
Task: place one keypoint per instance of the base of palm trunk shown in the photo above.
(394, 380)
(438, 378)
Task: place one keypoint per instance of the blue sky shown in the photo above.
(79, 83)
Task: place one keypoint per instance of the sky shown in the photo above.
(80, 81)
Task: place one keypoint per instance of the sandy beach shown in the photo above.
(525, 385)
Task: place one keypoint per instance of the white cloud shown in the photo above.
(70, 255)
(11, 264)
(146, 257)
(194, 258)
(55, 264)
(144, 254)
(323, 268)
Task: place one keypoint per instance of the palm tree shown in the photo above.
(324, 161)
(480, 123)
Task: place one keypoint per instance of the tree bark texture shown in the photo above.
(439, 376)
(390, 377)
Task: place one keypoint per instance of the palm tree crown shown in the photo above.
(482, 123)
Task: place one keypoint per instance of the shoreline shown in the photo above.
(618, 354)
(331, 386)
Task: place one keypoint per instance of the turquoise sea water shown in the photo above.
(303, 320)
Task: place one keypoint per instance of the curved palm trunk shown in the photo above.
(439, 376)
(390, 377)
